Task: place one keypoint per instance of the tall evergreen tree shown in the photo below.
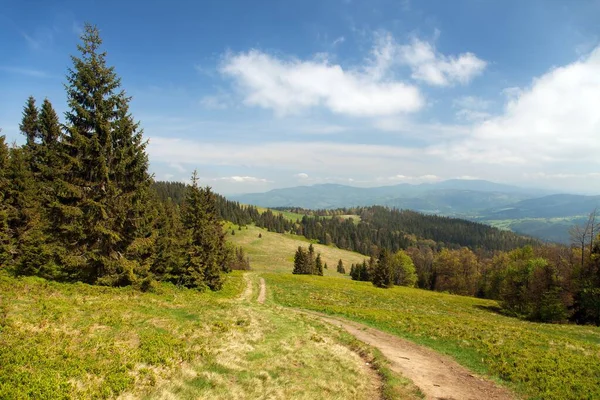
(29, 124)
(300, 261)
(383, 275)
(205, 248)
(318, 265)
(100, 209)
(340, 267)
(5, 210)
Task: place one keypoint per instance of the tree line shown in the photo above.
(77, 202)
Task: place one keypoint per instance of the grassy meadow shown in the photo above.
(274, 252)
(80, 341)
(540, 361)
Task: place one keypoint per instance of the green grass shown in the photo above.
(88, 342)
(274, 252)
(286, 214)
(541, 361)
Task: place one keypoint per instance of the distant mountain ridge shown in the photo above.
(446, 197)
(530, 211)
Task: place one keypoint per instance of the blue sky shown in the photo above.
(265, 94)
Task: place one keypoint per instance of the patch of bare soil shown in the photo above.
(262, 294)
(438, 376)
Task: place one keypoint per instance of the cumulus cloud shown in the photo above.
(434, 68)
(302, 175)
(554, 120)
(291, 86)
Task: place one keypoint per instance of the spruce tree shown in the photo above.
(310, 267)
(25, 218)
(299, 261)
(5, 234)
(382, 274)
(340, 267)
(101, 199)
(206, 251)
(29, 124)
(169, 249)
(318, 265)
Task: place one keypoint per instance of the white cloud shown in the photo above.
(339, 40)
(555, 120)
(301, 175)
(242, 179)
(434, 68)
(292, 86)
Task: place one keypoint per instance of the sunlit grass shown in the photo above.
(275, 252)
(540, 360)
(89, 342)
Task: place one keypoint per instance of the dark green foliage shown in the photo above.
(77, 202)
(305, 262)
(340, 267)
(362, 272)
(100, 210)
(206, 253)
(383, 275)
(300, 263)
(29, 124)
(318, 265)
(6, 239)
(397, 230)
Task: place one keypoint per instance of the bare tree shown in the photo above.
(581, 234)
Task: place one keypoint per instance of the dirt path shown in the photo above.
(438, 376)
(262, 295)
(247, 293)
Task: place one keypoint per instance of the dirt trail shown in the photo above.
(262, 295)
(247, 293)
(438, 376)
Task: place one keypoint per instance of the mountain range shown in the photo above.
(531, 211)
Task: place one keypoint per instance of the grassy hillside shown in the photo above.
(79, 341)
(275, 252)
(542, 361)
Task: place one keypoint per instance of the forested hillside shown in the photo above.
(77, 202)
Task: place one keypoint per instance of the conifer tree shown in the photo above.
(25, 221)
(206, 241)
(29, 124)
(168, 250)
(100, 209)
(318, 265)
(382, 274)
(300, 261)
(310, 267)
(5, 234)
(340, 267)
